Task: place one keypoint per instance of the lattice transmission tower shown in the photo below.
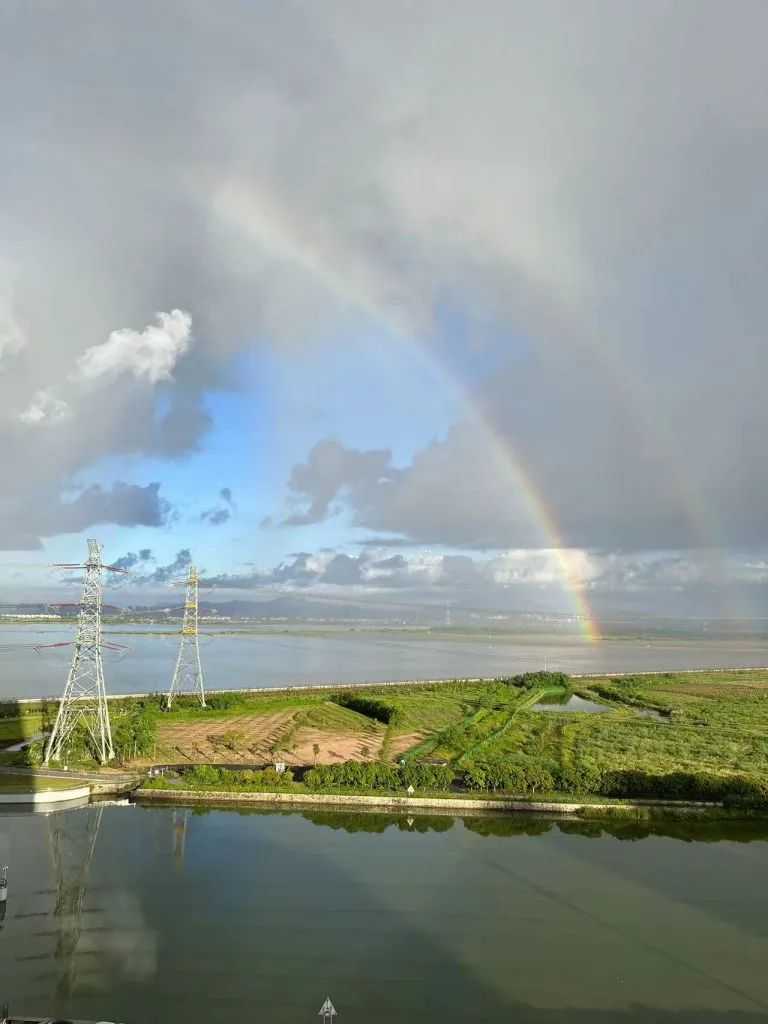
(85, 697)
(188, 674)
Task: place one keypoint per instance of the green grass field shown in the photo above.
(707, 724)
(16, 730)
(706, 729)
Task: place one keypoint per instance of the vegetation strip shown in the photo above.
(699, 736)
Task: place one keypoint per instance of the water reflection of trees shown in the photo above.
(700, 829)
(350, 821)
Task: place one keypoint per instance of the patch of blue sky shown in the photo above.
(368, 387)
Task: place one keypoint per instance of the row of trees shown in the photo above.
(514, 776)
(380, 775)
(529, 777)
(208, 775)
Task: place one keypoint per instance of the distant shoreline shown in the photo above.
(304, 687)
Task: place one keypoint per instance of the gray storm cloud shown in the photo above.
(589, 176)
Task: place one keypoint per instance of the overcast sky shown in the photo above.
(460, 301)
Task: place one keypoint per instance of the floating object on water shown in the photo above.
(327, 1011)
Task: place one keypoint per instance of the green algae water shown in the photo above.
(163, 916)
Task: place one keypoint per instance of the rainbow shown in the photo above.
(277, 230)
(570, 572)
(539, 512)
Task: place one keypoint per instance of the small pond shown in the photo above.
(569, 703)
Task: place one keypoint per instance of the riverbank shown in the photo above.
(673, 736)
(32, 786)
(466, 806)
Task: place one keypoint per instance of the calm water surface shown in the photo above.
(223, 916)
(339, 655)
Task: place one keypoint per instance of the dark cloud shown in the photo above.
(594, 194)
(662, 583)
(298, 571)
(332, 469)
(343, 570)
(215, 516)
(221, 513)
(181, 429)
(132, 559)
(169, 573)
(123, 504)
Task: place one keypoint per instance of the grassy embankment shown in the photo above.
(709, 741)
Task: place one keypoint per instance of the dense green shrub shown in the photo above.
(368, 706)
(134, 732)
(535, 680)
(379, 775)
(208, 776)
(204, 775)
(517, 776)
(426, 776)
(223, 701)
(683, 785)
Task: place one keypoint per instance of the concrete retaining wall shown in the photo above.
(400, 802)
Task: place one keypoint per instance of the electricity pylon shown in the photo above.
(188, 674)
(85, 696)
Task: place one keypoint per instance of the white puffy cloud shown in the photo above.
(150, 354)
(45, 409)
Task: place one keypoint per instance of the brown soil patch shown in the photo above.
(401, 744)
(247, 738)
(334, 746)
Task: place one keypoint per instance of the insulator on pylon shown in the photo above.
(188, 673)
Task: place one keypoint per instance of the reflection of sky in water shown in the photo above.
(67, 933)
(348, 656)
(264, 914)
